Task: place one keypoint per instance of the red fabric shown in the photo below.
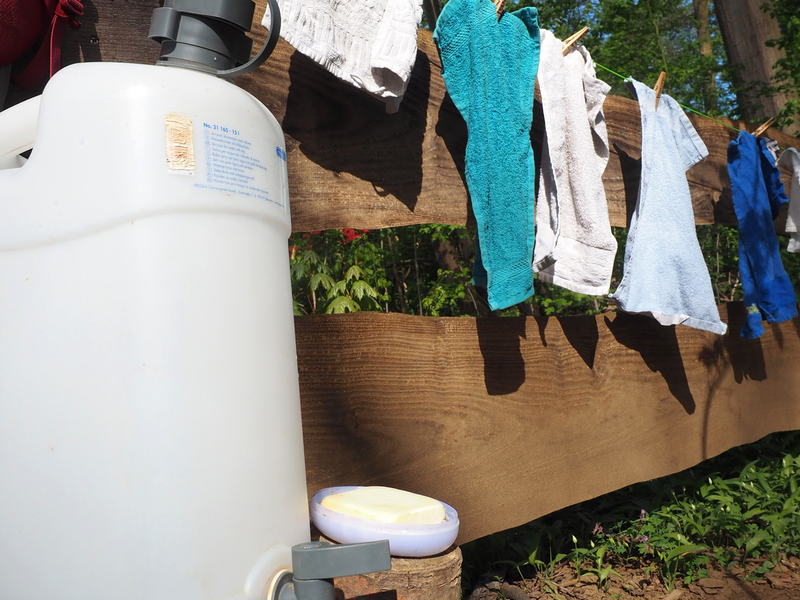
(21, 25)
(55, 15)
(67, 11)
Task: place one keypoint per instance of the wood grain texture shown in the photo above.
(431, 578)
(510, 419)
(353, 165)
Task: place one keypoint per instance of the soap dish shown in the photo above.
(405, 539)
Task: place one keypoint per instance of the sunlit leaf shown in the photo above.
(340, 305)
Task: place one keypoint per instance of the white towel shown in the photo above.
(574, 246)
(371, 44)
(791, 159)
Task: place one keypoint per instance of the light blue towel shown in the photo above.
(665, 274)
(489, 67)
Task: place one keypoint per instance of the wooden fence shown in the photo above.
(505, 419)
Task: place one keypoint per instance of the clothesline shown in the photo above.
(683, 106)
(764, 280)
(561, 233)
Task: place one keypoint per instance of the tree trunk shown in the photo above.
(745, 30)
(447, 258)
(432, 10)
(704, 37)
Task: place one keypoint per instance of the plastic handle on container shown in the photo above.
(322, 560)
(266, 49)
(316, 564)
(18, 126)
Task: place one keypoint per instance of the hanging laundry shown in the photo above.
(757, 197)
(665, 274)
(489, 68)
(574, 245)
(773, 148)
(371, 44)
(791, 159)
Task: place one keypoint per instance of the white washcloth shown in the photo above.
(574, 245)
(371, 44)
(791, 159)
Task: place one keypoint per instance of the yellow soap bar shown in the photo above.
(386, 505)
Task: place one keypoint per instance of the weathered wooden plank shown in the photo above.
(510, 419)
(352, 165)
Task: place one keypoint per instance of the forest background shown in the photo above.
(427, 269)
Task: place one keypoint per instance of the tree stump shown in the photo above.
(431, 578)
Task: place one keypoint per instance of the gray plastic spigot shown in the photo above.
(315, 564)
(211, 35)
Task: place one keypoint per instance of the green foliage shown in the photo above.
(390, 270)
(751, 514)
(642, 38)
(720, 247)
(399, 270)
(565, 17)
(331, 277)
(740, 505)
(651, 36)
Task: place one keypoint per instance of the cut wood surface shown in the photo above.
(430, 578)
(509, 419)
(353, 165)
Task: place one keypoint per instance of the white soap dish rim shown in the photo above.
(405, 539)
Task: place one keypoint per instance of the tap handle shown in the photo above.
(322, 560)
(315, 564)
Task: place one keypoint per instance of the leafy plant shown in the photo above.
(332, 281)
(423, 270)
(741, 508)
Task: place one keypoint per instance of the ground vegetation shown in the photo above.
(722, 525)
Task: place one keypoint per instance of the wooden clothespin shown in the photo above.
(574, 39)
(500, 7)
(764, 127)
(659, 86)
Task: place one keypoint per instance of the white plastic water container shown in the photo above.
(150, 435)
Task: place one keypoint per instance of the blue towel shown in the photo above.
(665, 274)
(757, 197)
(489, 68)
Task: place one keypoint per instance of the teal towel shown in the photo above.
(489, 68)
